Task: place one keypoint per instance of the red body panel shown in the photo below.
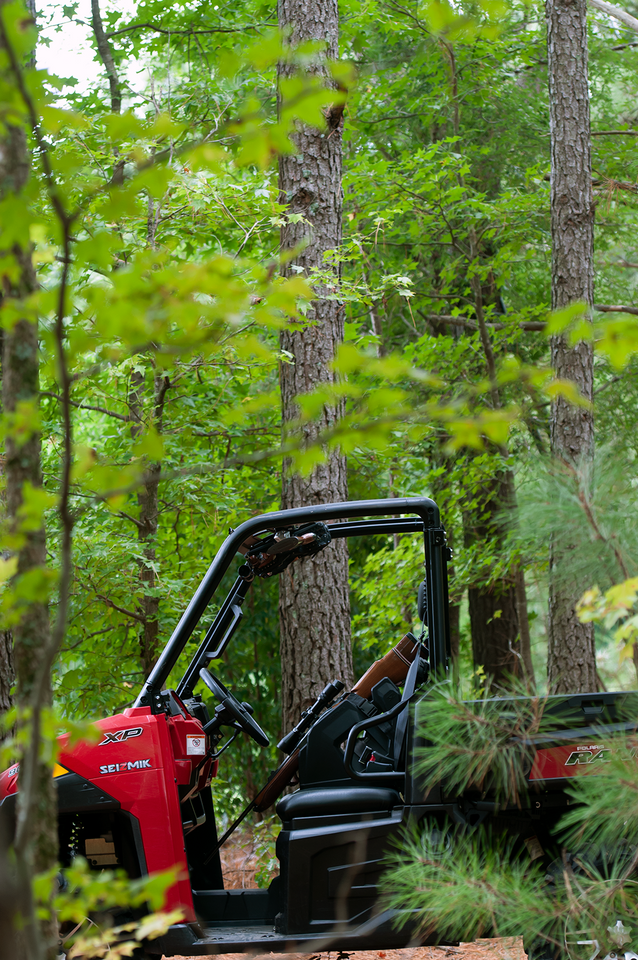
(140, 760)
(9, 781)
(569, 760)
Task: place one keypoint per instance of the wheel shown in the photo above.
(604, 923)
(607, 928)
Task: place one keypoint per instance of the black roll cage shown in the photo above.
(221, 630)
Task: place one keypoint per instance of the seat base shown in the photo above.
(318, 802)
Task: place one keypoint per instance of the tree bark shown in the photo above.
(106, 56)
(7, 672)
(523, 625)
(147, 520)
(7, 669)
(493, 606)
(571, 653)
(454, 616)
(500, 609)
(20, 388)
(314, 601)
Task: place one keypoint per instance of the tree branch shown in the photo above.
(104, 49)
(448, 319)
(528, 325)
(87, 406)
(174, 33)
(616, 12)
(127, 613)
(616, 308)
(127, 516)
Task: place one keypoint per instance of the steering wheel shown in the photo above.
(237, 710)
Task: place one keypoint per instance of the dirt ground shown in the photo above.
(238, 867)
(479, 950)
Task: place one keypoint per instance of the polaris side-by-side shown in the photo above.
(140, 797)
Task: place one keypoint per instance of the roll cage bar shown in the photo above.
(426, 520)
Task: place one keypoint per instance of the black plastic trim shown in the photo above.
(397, 776)
(423, 507)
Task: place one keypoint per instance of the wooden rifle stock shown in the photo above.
(394, 665)
(278, 782)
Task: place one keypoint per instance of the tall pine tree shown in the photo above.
(314, 603)
(571, 654)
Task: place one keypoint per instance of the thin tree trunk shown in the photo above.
(106, 55)
(7, 669)
(147, 497)
(38, 850)
(7, 672)
(571, 653)
(149, 605)
(147, 520)
(314, 601)
(454, 613)
(523, 625)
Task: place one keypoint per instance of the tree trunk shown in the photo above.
(523, 625)
(494, 625)
(571, 654)
(147, 520)
(314, 601)
(106, 56)
(7, 669)
(501, 607)
(454, 613)
(7, 672)
(493, 606)
(36, 814)
(147, 497)
(147, 532)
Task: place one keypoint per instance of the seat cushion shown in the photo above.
(322, 802)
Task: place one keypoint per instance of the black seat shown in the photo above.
(322, 802)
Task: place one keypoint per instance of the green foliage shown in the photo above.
(481, 745)
(604, 814)
(615, 609)
(467, 886)
(462, 881)
(265, 836)
(172, 280)
(104, 897)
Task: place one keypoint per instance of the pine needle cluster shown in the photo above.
(482, 745)
(455, 881)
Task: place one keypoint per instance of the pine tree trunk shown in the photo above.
(571, 654)
(20, 385)
(493, 606)
(494, 625)
(314, 602)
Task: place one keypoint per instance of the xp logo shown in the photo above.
(120, 735)
(584, 755)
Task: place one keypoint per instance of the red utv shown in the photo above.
(141, 797)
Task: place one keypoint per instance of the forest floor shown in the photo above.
(239, 862)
